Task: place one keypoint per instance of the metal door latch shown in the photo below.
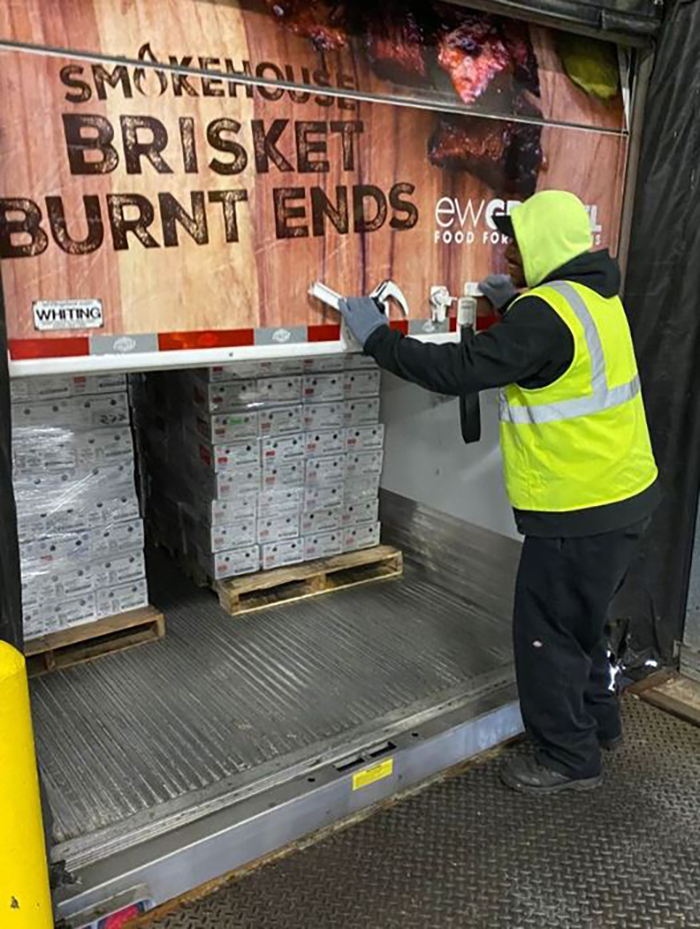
(440, 302)
(382, 294)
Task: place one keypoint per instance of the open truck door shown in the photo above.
(171, 186)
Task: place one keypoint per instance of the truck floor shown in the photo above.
(466, 852)
(139, 743)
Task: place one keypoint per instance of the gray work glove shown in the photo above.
(362, 316)
(499, 290)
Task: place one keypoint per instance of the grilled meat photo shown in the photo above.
(485, 55)
(322, 21)
(397, 36)
(516, 37)
(474, 144)
(490, 62)
(505, 155)
(473, 54)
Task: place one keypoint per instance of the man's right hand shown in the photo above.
(499, 290)
(362, 316)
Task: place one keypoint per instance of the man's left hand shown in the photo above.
(499, 290)
(362, 316)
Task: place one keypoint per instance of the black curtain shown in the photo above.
(10, 586)
(663, 301)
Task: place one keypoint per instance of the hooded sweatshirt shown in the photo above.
(531, 346)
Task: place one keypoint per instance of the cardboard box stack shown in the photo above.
(263, 464)
(80, 530)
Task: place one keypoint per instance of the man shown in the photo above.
(578, 463)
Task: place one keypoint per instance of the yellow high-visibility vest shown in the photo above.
(583, 441)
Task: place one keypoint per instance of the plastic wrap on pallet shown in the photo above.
(361, 384)
(329, 470)
(280, 474)
(359, 537)
(60, 592)
(282, 554)
(71, 501)
(60, 449)
(254, 394)
(78, 514)
(363, 412)
(28, 389)
(229, 456)
(321, 520)
(361, 438)
(195, 391)
(324, 388)
(358, 361)
(358, 512)
(323, 496)
(317, 365)
(279, 527)
(245, 370)
(280, 438)
(324, 442)
(222, 565)
(239, 534)
(361, 464)
(280, 421)
(202, 547)
(323, 544)
(274, 502)
(362, 488)
(217, 513)
(325, 364)
(76, 412)
(41, 557)
(228, 427)
(283, 448)
(322, 417)
(80, 517)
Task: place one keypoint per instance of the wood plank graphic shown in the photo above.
(187, 202)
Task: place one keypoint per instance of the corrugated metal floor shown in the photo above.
(470, 853)
(134, 744)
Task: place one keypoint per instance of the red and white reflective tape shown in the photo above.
(124, 345)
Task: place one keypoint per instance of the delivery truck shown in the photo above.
(182, 184)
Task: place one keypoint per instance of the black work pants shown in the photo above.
(560, 626)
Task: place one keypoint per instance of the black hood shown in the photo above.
(597, 270)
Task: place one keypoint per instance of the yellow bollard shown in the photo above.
(25, 897)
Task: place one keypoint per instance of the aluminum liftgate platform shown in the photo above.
(466, 852)
(172, 764)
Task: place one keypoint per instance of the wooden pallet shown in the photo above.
(69, 647)
(286, 585)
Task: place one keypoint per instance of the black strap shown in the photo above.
(10, 584)
(469, 408)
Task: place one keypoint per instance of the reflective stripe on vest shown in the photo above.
(601, 398)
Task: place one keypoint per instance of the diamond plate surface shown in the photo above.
(469, 853)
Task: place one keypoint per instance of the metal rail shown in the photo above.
(174, 864)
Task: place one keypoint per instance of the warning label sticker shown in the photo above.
(371, 775)
(55, 315)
